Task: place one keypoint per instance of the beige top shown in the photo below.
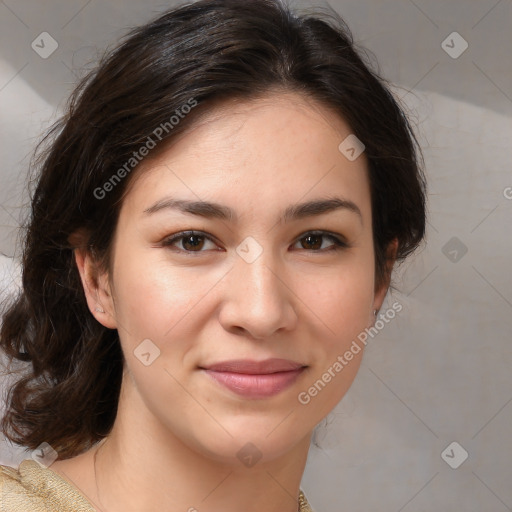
(34, 488)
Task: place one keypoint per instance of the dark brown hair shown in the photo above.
(203, 52)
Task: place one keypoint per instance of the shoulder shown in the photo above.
(34, 488)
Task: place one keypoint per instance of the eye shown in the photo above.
(190, 241)
(313, 241)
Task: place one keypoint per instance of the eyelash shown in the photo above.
(339, 244)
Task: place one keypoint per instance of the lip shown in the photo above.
(248, 366)
(255, 379)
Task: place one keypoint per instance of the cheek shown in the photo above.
(339, 305)
(340, 297)
(151, 299)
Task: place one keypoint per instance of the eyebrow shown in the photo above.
(293, 212)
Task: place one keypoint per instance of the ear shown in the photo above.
(380, 293)
(96, 284)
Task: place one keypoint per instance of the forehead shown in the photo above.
(271, 150)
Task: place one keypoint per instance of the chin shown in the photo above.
(244, 442)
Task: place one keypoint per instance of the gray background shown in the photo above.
(440, 371)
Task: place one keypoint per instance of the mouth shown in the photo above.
(255, 379)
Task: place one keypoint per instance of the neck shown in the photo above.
(143, 466)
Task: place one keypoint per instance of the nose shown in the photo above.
(259, 298)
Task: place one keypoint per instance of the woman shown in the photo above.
(214, 225)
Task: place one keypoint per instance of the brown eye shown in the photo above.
(188, 242)
(193, 242)
(313, 241)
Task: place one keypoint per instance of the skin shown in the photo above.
(175, 439)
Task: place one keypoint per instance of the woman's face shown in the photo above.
(252, 283)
